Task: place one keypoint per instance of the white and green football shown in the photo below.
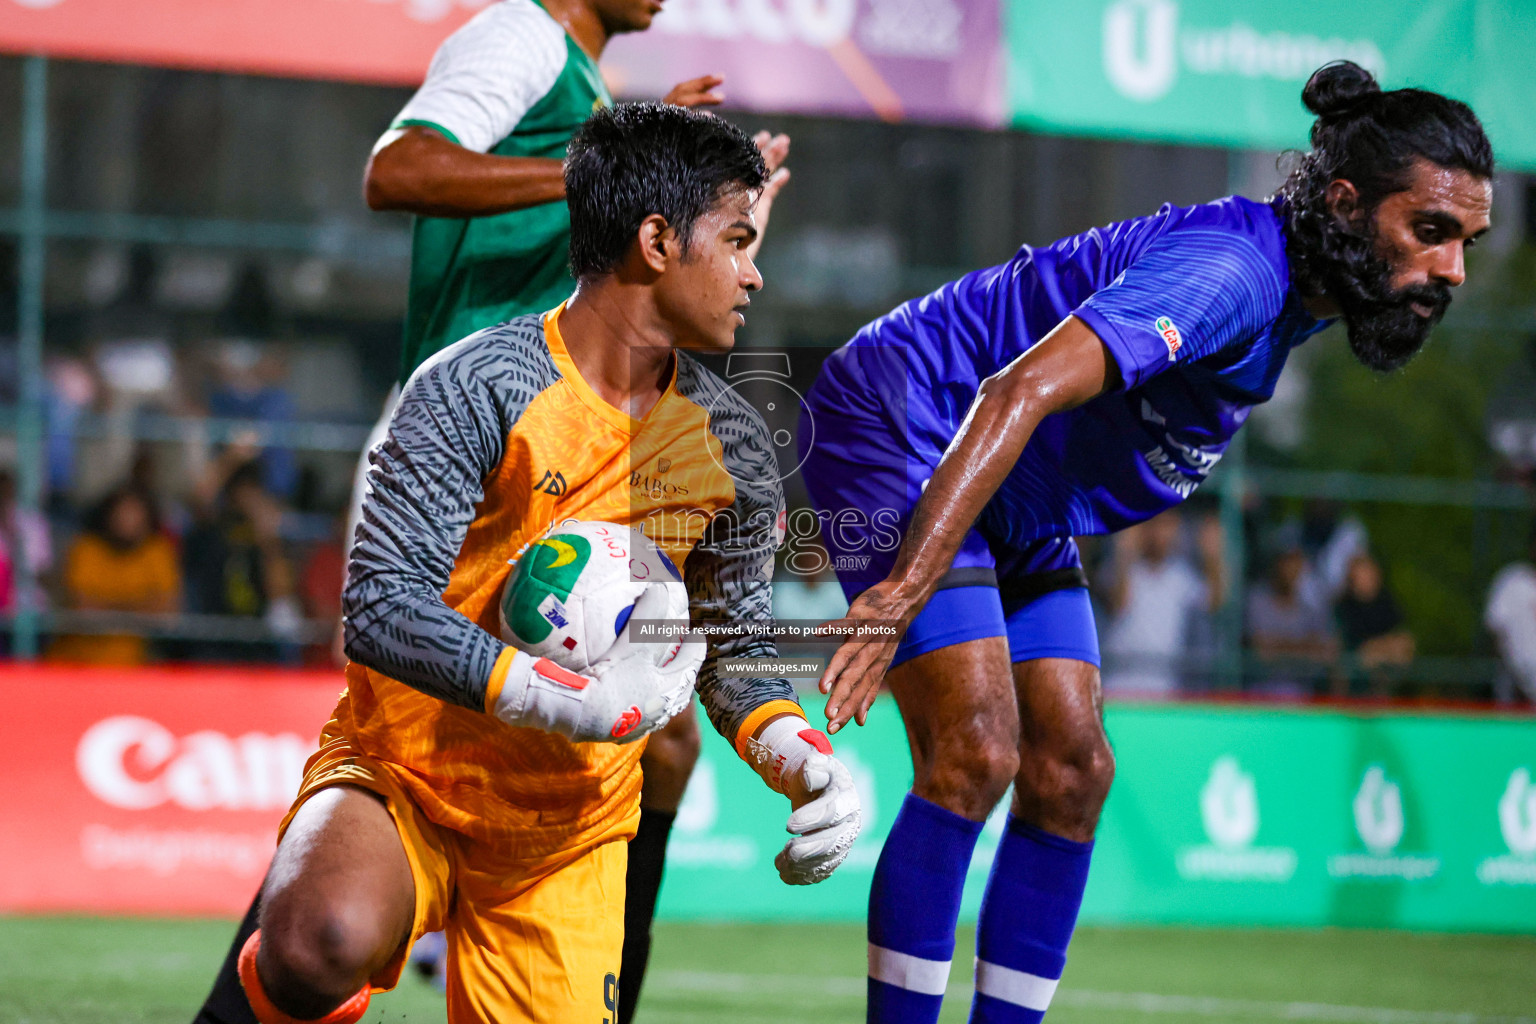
(574, 589)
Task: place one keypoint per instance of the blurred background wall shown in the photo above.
(209, 317)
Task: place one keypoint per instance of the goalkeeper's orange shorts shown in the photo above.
(529, 939)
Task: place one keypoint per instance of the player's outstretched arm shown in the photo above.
(417, 170)
(1070, 366)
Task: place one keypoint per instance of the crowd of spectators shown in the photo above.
(1319, 617)
(176, 521)
(224, 578)
(132, 582)
(1160, 599)
(204, 541)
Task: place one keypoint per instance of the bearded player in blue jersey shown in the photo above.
(1078, 389)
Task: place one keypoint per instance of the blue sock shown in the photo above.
(913, 902)
(1027, 916)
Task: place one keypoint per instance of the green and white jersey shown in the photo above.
(512, 83)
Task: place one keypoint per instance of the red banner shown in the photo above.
(386, 41)
(148, 791)
(924, 59)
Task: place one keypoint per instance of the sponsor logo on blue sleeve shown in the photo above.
(1171, 336)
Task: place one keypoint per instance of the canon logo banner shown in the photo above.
(149, 790)
(136, 763)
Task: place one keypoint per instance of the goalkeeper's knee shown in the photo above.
(349, 1012)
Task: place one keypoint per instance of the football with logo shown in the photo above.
(573, 590)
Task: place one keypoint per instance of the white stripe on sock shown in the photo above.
(913, 973)
(1018, 987)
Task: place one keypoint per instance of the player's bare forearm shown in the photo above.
(421, 172)
(1068, 367)
(999, 424)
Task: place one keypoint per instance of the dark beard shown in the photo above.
(1384, 330)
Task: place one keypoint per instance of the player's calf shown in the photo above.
(1030, 905)
(1029, 909)
(668, 761)
(1066, 764)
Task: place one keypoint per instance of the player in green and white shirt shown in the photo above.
(510, 83)
(476, 154)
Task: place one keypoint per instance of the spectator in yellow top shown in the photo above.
(122, 562)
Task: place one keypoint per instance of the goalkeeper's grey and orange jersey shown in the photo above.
(511, 82)
(495, 439)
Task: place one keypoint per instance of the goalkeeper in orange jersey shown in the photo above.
(476, 156)
(466, 786)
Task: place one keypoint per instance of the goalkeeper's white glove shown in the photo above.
(630, 692)
(796, 760)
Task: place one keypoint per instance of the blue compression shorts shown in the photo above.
(1058, 624)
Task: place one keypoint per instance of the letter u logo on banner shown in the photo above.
(1142, 72)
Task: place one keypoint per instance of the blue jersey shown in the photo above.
(1194, 303)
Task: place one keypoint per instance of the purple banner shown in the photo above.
(925, 60)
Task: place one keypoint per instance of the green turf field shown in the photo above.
(78, 970)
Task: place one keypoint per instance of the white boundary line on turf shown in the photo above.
(1211, 1006)
(711, 981)
(1136, 1002)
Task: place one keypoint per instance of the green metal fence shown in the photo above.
(35, 226)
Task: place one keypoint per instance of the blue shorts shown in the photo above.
(1058, 624)
(865, 465)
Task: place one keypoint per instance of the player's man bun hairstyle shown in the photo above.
(1371, 138)
(1336, 89)
(637, 159)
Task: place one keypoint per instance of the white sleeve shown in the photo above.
(1511, 616)
(490, 73)
(1506, 600)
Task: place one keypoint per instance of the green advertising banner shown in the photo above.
(1230, 72)
(1219, 815)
